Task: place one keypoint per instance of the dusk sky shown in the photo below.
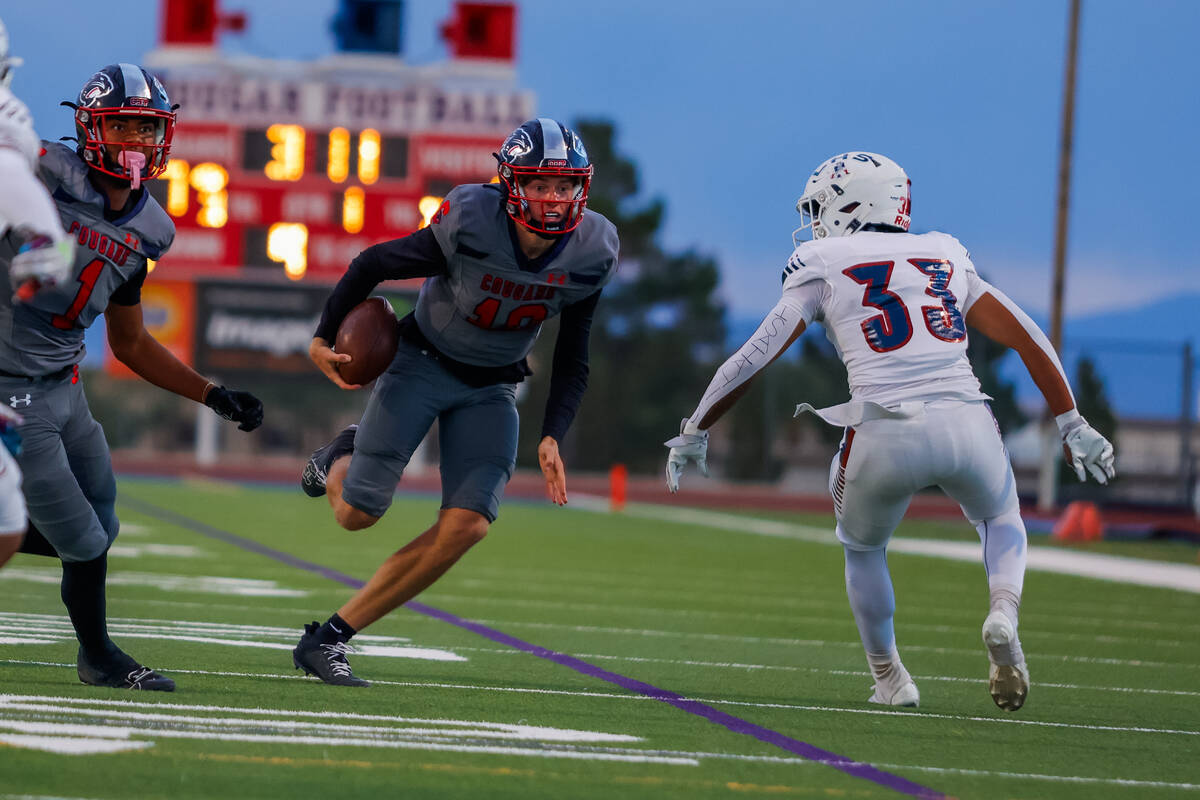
(727, 111)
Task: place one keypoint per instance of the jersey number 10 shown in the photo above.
(891, 329)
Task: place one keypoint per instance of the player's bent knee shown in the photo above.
(462, 529)
(351, 518)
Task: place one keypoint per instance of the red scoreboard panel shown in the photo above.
(266, 182)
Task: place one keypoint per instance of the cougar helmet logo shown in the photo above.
(518, 144)
(577, 145)
(99, 86)
(158, 87)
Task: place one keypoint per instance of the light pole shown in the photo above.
(1051, 444)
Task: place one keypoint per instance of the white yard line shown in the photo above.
(1183, 577)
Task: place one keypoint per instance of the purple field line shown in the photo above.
(855, 769)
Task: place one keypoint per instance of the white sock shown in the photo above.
(869, 589)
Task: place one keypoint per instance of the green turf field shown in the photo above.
(752, 632)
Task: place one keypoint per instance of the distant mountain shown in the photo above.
(1138, 351)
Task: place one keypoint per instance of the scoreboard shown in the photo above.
(288, 170)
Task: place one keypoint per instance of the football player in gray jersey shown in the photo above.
(499, 259)
(124, 123)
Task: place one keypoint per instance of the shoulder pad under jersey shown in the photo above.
(595, 250)
(464, 209)
(16, 127)
(148, 228)
(954, 249)
(804, 265)
(60, 167)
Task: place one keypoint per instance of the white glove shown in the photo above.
(1086, 448)
(41, 261)
(687, 446)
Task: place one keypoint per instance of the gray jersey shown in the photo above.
(45, 334)
(486, 310)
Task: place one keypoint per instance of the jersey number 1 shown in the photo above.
(891, 329)
(87, 284)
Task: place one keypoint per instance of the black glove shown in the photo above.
(241, 407)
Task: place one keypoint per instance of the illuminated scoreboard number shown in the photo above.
(280, 153)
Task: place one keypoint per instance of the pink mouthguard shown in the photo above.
(133, 162)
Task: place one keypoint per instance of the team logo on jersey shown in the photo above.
(442, 211)
(15, 401)
(99, 86)
(518, 144)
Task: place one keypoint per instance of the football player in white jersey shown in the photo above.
(46, 259)
(896, 307)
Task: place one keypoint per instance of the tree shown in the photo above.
(657, 336)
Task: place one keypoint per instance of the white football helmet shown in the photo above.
(6, 62)
(852, 190)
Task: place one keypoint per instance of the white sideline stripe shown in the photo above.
(70, 745)
(725, 637)
(39, 626)
(637, 697)
(1184, 577)
(416, 733)
(120, 710)
(39, 797)
(738, 665)
(168, 550)
(206, 584)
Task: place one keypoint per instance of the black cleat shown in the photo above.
(312, 480)
(326, 661)
(122, 672)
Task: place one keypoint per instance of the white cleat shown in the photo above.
(1008, 683)
(997, 630)
(906, 695)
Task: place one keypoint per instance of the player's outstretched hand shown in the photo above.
(327, 361)
(41, 262)
(1088, 451)
(554, 470)
(240, 407)
(684, 448)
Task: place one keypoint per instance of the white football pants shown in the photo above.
(882, 463)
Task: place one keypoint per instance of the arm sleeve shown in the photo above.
(414, 256)
(129, 293)
(24, 203)
(569, 374)
(767, 343)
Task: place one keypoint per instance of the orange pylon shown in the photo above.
(1080, 522)
(618, 478)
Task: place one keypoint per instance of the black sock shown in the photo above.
(83, 595)
(335, 629)
(36, 544)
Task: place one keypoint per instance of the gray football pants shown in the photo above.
(477, 436)
(70, 489)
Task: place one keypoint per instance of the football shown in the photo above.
(369, 335)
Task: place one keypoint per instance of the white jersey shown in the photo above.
(16, 128)
(893, 304)
(24, 202)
